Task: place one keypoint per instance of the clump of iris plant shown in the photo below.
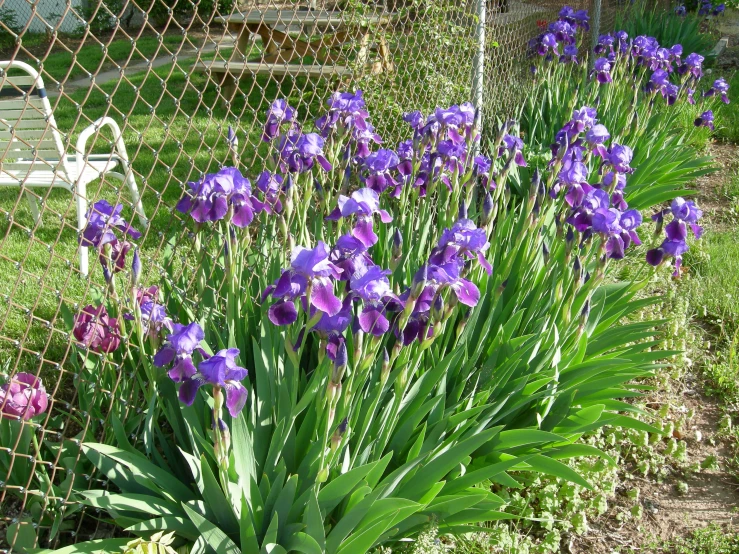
(667, 71)
(23, 397)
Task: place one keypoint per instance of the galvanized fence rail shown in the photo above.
(173, 76)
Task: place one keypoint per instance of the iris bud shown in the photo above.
(488, 207)
(545, 252)
(385, 371)
(463, 210)
(339, 363)
(135, 268)
(397, 248)
(338, 434)
(419, 281)
(569, 240)
(577, 269)
(437, 308)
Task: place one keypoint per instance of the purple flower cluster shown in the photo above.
(225, 194)
(595, 209)
(671, 73)
(708, 8)
(219, 370)
(684, 214)
(23, 397)
(103, 220)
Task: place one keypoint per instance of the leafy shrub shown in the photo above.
(9, 28)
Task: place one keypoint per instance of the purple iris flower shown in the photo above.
(618, 229)
(463, 240)
(720, 87)
(449, 275)
(563, 31)
(685, 213)
(115, 253)
(310, 270)
(693, 64)
(605, 44)
(271, 187)
(102, 218)
(210, 198)
(350, 256)
(363, 203)
(419, 325)
(23, 397)
(602, 70)
(178, 350)
(718, 10)
(705, 120)
(299, 152)
(278, 114)
(547, 42)
(220, 371)
(569, 54)
(676, 52)
(514, 147)
(346, 112)
(596, 137)
(681, 11)
(619, 157)
(582, 19)
(363, 138)
(373, 288)
(593, 200)
(379, 167)
(415, 119)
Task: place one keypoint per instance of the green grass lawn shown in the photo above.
(175, 130)
(94, 58)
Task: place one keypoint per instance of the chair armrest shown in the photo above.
(95, 127)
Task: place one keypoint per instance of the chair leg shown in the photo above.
(135, 196)
(81, 197)
(33, 204)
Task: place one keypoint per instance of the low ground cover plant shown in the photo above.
(371, 337)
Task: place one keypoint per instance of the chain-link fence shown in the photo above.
(125, 100)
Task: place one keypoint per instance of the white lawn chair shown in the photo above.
(32, 153)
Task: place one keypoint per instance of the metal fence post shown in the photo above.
(595, 27)
(478, 63)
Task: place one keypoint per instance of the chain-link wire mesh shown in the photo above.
(171, 76)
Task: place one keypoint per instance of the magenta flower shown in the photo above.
(220, 371)
(94, 328)
(23, 397)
